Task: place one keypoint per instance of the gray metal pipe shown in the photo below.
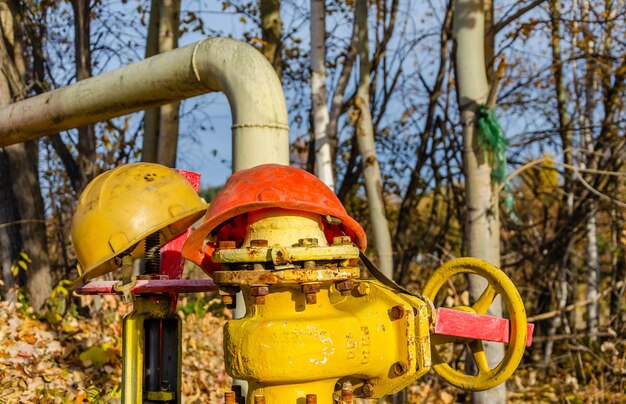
(260, 127)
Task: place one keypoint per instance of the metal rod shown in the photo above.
(149, 286)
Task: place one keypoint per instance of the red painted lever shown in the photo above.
(457, 323)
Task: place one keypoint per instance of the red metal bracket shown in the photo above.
(149, 286)
(462, 324)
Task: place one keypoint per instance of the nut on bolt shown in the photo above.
(344, 286)
(308, 242)
(259, 243)
(230, 398)
(400, 368)
(367, 389)
(226, 245)
(342, 240)
(310, 291)
(259, 292)
(397, 312)
(363, 288)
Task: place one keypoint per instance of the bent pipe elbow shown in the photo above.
(254, 93)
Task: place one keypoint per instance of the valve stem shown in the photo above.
(152, 254)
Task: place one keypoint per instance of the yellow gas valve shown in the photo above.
(312, 329)
(373, 337)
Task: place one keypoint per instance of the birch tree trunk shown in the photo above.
(367, 149)
(160, 142)
(482, 226)
(319, 110)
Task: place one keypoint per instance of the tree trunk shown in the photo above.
(337, 98)
(319, 110)
(152, 116)
(86, 135)
(21, 162)
(169, 17)
(566, 144)
(367, 149)
(160, 140)
(271, 32)
(592, 259)
(482, 226)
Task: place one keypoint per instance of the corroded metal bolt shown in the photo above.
(310, 291)
(259, 292)
(308, 242)
(259, 399)
(311, 399)
(258, 243)
(397, 312)
(400, 368)
(230, 398)
(226, 245)
(363, 288)
(342, 240)
(367, 389)
(344, 286)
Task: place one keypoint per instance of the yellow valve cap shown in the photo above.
(121, 207)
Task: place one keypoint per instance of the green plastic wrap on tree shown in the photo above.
(491, 137)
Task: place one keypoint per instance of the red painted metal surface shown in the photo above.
(268, 186)
(457, 323)
(149, 286)
(172, 262)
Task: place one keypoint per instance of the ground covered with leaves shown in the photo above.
(76, 358)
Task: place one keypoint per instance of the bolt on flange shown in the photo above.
(397, 312)
(259, 292)
(345, 286)
(400, 368)
(367, 390)
(310, 291)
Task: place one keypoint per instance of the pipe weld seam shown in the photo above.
(261, 125)
(194, 64)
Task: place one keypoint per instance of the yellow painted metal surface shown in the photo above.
(133, 349)
(284, 227)
(287, 254)
(286, 348)
(498, 283)
(121, 207)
